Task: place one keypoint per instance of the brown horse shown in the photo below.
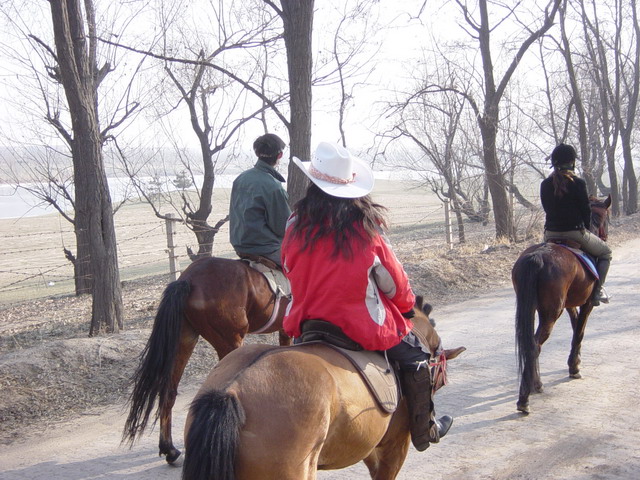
(549, 278)
(218, 299)
(282, 413)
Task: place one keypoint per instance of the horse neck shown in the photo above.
(599, 216)
(427, 332)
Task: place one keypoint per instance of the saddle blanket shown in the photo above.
(374, 370)
(585, 258)
(277, 281)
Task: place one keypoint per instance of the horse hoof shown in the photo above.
(523, 408)
(173, 456)
(575, 375)
(539, 389)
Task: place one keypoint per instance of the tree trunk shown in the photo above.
(94, 212)
(502, 214)
(489, 117)
(488, 122)
(629, 175)
(297, 17)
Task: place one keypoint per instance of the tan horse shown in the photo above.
(282, 413)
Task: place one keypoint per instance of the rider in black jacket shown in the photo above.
(568, 212)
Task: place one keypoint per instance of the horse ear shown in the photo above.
(426, 308)
(451, 353)
(419, 301)
(607, 202)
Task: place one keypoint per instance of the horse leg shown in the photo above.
(188, 340)
(545, 325)
(387, 459)
(578, 323)
(542, 335)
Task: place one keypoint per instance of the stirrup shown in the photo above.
(439, 428)
(600, 297)
(603, 296)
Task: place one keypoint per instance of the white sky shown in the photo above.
(397, 42)
(400, 41)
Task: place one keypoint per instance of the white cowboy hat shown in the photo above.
(338, 173)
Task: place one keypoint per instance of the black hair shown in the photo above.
(267, 147)
(320, 215)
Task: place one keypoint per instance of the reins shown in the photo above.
(438, 365)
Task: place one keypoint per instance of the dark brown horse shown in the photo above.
(282, 413)
(218, 299)
(549, 278)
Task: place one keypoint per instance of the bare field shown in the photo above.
(33, 265)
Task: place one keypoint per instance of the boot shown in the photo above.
(444, 424)
(600, 294)
(425, 429)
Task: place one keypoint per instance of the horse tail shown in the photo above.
(526, 279)
(152, 378)
(212, 439)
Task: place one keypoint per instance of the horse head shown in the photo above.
(600, 216)
(426, 331)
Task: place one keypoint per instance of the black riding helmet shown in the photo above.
(563, 157)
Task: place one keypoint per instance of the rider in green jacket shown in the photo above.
(259, 205)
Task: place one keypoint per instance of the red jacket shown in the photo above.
(365, 296)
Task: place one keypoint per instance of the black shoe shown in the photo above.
(444, 424)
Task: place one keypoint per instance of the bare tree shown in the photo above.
(61, 84)
(604, 73)
(608, 139)
(488, 113)
(215, 101)
(577, 102)
(436, 122)
(76, 69)
(625, 89)
(353, 54)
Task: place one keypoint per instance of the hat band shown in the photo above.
(318, 175)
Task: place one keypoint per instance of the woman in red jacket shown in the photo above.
(342, 270)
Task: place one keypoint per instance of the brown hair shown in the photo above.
(319, 215)
(561, 180)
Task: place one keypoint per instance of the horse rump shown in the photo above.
(213, 429)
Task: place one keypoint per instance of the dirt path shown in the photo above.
(578, 429)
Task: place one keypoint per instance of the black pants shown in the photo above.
(409, 353)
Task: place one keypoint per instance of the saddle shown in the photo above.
(278, 283)
(588, 261)
(372, 366)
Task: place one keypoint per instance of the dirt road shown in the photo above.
(578, 429)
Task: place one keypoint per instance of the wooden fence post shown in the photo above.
(447, 224)
(174, 266)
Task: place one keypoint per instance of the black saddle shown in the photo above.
(323, 331)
